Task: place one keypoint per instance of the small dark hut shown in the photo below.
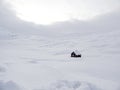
(73, 54)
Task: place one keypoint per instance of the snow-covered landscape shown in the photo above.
(38, 58)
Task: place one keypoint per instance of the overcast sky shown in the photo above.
(107, 19)
(50, 11)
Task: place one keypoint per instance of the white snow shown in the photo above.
(43, 63)
(10, 85)
(34, 57)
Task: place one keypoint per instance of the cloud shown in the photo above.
(109, 21)
(6, 14)
(93, 7)
(10, 22)
(50, 11)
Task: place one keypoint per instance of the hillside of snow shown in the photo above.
(42, 63)
(36, 57)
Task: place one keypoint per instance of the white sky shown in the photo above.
(50, 11)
